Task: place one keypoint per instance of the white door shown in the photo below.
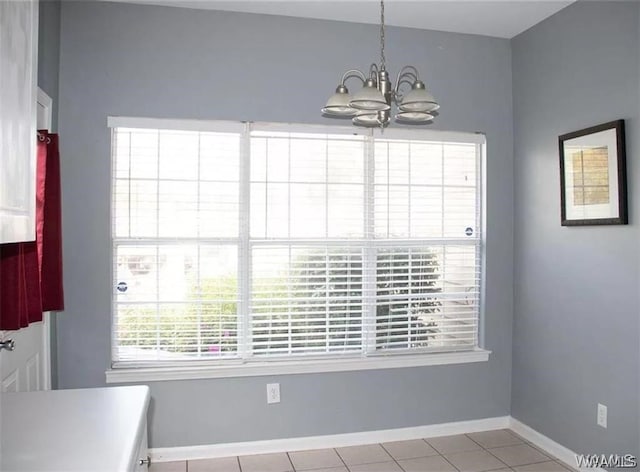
(27, 367)
(18, 78)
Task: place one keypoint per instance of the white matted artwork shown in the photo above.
(593, 176)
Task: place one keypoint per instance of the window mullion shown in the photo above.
(157, 251)
(369, 256)
(244, 248)
(198, 308)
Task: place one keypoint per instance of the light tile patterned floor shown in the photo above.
(495, 451)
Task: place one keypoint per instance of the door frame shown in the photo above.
(44, 113)
(46, 102)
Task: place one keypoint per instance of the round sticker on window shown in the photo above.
(122, 287)
(468, 231)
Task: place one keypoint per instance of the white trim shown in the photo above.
(46, 351)
(566, 455)
(238, 127)
(389, 133)
(46, 102)
(182, 125)
(482, 181)
(430, 135)
(150, 374)
(158, 371)
(168, 454)
(280, 127)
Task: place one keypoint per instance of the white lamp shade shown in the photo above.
(369, 98)
(338, 105)
(367, 119)
(418, 99)
(413, 117)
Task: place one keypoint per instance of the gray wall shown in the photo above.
(134, 60)
(49, 52)
(575, 337)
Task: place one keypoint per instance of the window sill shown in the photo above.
(154, 374)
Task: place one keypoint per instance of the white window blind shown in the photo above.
(234, 244)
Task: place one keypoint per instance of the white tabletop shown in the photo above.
(95, 429)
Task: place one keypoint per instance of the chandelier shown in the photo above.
(371, 106)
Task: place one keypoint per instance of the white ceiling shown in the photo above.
(499, 18)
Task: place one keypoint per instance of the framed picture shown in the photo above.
(593, 176)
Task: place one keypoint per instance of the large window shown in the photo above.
(235, 243)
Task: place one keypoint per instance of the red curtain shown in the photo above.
(31, 273)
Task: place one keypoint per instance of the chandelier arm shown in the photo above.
(402, 80)
(404, 72)
(374, 71)
(353, 73)
(397, 93)
(411, 68)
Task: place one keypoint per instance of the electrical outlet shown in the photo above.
(273, 393)
(602, 415)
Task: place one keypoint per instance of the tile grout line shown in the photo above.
(493, 455)
(395, 461)
(449, 462)
(335, 449)
(525, 443)
(482, 448)
(398, 464)
(293, 468)
(469, 437)
(498, 459)
(438, 454)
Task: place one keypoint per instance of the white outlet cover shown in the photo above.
(273, 393)
(602, 415)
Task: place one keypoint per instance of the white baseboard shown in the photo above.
(209, 451)
(549, 445)
(167, 454)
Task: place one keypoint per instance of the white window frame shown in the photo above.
(130, 372)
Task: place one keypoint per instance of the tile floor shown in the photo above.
(496, 451)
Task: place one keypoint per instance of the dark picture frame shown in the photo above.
(593, 176)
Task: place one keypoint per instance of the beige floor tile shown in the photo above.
(424, 464)
(180, 466)
(224, 464)
(266, 463)
(320, 458)
(355, 455)
(495, 438)
(376, 467)
(457, 443)
(331, 469)
(522, 454)
(474, 461)
(541, 467)
(409, 449)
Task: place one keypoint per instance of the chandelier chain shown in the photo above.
(382, 58)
